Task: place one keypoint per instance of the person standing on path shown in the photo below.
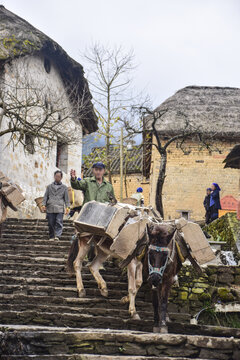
(215, 204)
(138, 195)
(56, 202)
(206, 204)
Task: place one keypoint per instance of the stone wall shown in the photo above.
(33, 172)
(188, 176)
(217, 284)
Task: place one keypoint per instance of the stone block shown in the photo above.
(197, 290)
(225, 278)
(225, 294)
(183, 295)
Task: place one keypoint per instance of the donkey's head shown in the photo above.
(158, 251)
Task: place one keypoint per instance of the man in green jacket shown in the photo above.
(95, 187)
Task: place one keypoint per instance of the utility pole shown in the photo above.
(121, 165)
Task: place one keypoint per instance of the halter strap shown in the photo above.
(159, 248)
(169, 257)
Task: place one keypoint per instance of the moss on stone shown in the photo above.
(226, 228)
(183, 295)
(10, 46)
(224, 294)
(197, 290)
(205, 296)
(193, 297)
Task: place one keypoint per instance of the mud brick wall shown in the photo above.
(133, 181)
(188, 176)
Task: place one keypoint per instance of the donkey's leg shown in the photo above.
(155, 303)
(163, 308)
(132, 289)
(82, 252)
(139, 276)
(94, 268)
(138, 279)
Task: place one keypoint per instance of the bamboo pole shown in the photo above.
(121, 165)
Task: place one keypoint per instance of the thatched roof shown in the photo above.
(233, 158)
(19, 38)
(215, 111)
(132, 160)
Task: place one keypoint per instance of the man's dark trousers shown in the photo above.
(55, 224)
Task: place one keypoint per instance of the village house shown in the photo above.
(32, 65)
(195, 164)
(132, 169)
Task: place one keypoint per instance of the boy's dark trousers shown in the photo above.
(55, 224)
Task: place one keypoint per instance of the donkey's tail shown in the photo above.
(72, 255)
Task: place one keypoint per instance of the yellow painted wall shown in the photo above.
(133, 182)
(188, 176)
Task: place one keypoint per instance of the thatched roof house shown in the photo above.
(18, 38)
(233, 158)
(214, 111)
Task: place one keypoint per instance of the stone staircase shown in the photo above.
(41, 316)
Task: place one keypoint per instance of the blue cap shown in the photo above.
(79, 179)
(99, 164)
(139, 189)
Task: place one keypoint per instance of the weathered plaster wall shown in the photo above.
(34, 172)
(188, 176)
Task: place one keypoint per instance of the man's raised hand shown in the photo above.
(73, 174)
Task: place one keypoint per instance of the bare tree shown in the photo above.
(188, 131)
(110, 76)
(33, 119)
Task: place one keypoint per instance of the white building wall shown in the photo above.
(33, 172)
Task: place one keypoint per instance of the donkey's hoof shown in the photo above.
(163, 329)
(124, 300)
(156, 329)
(82, 293)
(135, 316)
(104, 292)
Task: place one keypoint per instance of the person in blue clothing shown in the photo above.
(215, 204)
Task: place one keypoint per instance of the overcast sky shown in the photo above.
(176, 42)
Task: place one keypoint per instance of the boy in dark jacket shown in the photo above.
(206, 204)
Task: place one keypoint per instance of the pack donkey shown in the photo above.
(80, 248)
(163, 261)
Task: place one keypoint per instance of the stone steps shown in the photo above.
(86, 357)
(35, 239)
(42, 317)
(66, 291)
(87, 278)
(57, 275)
(89, 302)
(36, 266)
(29, 341)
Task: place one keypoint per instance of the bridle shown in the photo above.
(160, 270)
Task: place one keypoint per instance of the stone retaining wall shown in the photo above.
(217, 284)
